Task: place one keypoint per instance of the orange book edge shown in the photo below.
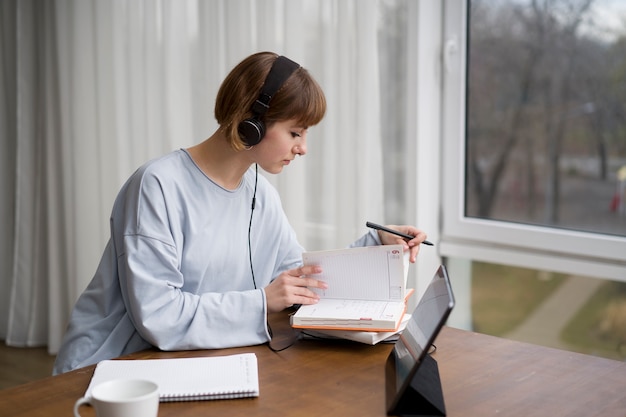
(408, 295)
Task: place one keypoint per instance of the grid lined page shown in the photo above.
(368, 273)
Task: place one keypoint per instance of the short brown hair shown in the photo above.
(300, 98)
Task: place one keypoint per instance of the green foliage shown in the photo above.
(599, 327)
(503, 296)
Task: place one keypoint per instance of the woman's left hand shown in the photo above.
(413, 245)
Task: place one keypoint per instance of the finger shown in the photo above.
(300, 277)
(315, 283)
(401, 241)
(416, 241)
(308, 298)
(411, 230)
(302, 295)
(305, 300)
(413, 254)
(420, 236)
(305, 270)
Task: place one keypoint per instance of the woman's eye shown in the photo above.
(295, 134)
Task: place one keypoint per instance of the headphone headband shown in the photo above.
(252, 130)
(282, 68)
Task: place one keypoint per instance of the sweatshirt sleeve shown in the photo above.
(371, 238)
(173, 319)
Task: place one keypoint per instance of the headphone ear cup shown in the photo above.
(251, 131)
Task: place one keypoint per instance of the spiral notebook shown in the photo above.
(187, 379)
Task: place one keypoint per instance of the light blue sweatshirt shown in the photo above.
(175, 273)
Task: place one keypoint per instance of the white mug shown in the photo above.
(123, 398)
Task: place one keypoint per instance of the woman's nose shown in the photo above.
(300, 149)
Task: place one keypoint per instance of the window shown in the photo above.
(534, 145)
(535, 154)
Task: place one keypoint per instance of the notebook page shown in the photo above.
(184, 379)
(374, 272)
(345, 309)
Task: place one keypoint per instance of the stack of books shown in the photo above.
(366, 299)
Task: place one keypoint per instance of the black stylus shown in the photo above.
(395, 232)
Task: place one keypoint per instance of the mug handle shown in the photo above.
(79, 402)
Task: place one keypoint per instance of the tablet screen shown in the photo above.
(426, 321)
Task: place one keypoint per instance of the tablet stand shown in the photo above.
(424, 396)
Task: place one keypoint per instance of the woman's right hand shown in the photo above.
(291, 287)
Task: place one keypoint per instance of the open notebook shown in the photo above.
(366, 290)
(188, 379)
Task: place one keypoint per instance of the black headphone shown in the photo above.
(252, 129)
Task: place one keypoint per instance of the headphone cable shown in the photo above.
(279, 343)
(256, 178)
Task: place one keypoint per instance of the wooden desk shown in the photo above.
(481, 376)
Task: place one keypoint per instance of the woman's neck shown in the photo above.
(219, 161)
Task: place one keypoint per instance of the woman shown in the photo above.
(200, 248)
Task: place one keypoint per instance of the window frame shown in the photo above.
(531, 246)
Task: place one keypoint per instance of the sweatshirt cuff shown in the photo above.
(371, 238)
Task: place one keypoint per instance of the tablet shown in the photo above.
(410, 352)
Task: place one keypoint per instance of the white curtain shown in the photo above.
(91, 89)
